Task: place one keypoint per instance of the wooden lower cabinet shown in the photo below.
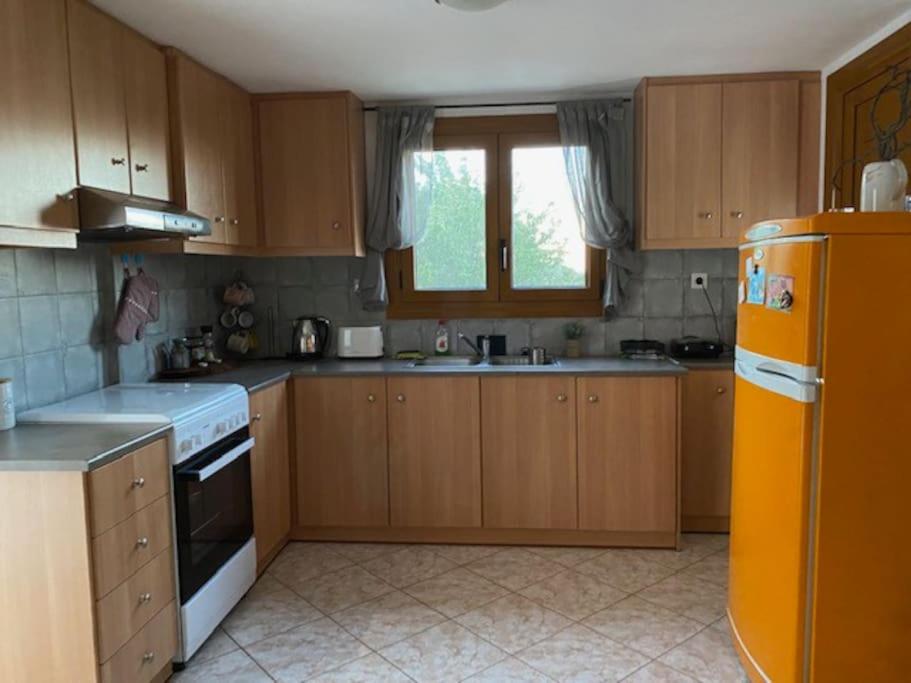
(434, 451)
(340, 454)
(529, 452)
(707, 411)
(270, 471)
(627, 431)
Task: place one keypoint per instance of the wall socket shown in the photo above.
(699, 280)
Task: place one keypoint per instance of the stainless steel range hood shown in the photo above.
(106, 216)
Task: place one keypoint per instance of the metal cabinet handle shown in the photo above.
(737, 214)
(118, 161)
(235, 221)
(219, 219)
(67, 196)
(139, 482)
(593, 398)
(719, 390)
(148, 656)
(144, 598)
(142, 542)
(371, 398)
(400, 398)
(561, 398)
(707, 215)
(257, 417)
(336, 225)
(141, 168)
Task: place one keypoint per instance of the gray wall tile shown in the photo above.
(294, 302)
(40, 323)
(617, 330)
(663, 329)
(294, 271)
(14, 368)
(35, 273)
(8, 273)
(663, 298)
(44, 378)
(75, 271)
(11, 337)
(81, 369)
(80, 321)
(708, 261)
(695, 302)
(662, 264)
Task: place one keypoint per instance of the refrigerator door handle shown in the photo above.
(777, 382)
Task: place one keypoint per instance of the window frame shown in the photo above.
(497, 135)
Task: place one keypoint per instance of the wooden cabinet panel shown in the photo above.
(99, 105)
(240, 190)
(707, 437)
(311, 163)
(270, 469)
(142, 659)
(683, 163)
(627, 453)
(342, 466)
(38, 163)
(434, 451)
(761, 131)
(146, 89)
(528, 425)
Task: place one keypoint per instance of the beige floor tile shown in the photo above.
(267, 583)
(513, 622)
(456, 592)
(302, 561)
(713, 568)
(236, 667)
(645, 627)
(689, 596)
(306, 651)
(510, 670)
(260, 615)
(515, 568)
(218, 644)
(656, 672)
(573, 594)
(388, 619)
(408, 566)
(580, 654)
(694, 547)
(625, 569)
(447, 652)
(364, 552)
(568, 557)
(463, 554)
(342, 589)
(722, 625)
(707, 656)
(369, 669)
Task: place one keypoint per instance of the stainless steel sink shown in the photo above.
(446, 361)
(519, 360)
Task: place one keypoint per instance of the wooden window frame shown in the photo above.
(497, 135)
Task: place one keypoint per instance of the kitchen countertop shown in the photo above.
(72, 447)
(725, 361)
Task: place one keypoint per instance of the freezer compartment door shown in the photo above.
(779, 298)
(770, 493)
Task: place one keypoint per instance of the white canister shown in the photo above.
(883, 185)
(7, 404)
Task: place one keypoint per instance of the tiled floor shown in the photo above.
(349, 612)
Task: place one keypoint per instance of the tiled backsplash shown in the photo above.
(57, 308)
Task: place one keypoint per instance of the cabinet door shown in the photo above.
(99, 105)
(434, 451)
(146, 86)
(761, 127)
(340, 431)
(683, 164)
(38, 163)
(529, 445)
(306, 181)
(270, 469)
(627, 453)
(707, 435)
(240, 193)
(195, 105)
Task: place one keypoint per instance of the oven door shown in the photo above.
(213, 509)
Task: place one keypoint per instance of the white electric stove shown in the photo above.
(210, 447)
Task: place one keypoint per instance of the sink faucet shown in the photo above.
(483, 352)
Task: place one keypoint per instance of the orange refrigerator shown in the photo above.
(820, 560)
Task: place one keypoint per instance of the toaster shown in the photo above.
(360, 342)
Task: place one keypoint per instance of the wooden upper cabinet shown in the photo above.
(529, 444)
(761, 132)
(146, 89)
(311, 155)
(240, 185)
(99, 104)
(37, 164)
(434, 451)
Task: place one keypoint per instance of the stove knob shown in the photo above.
(185, 446)
(197, 440)
(221, 428)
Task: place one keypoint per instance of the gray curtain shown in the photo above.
(402, 187)
(596, 137)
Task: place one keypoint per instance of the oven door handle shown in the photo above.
(204, 473)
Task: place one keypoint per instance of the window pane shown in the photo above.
(547, 247)
(451, 255)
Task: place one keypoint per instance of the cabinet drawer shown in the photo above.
(121, 551)
(126, 485)
(147, 653)
(127, 608)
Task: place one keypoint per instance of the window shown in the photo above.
(502, 235)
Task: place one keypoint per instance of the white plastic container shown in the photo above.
(883, 185)
(7, 404)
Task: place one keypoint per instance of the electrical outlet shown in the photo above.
(699, 280)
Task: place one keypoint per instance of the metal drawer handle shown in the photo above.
(371, 398)
(593, 398)
(707, 215)
(400, 398)
(139, 482)
(235, 221)
(148, 656)
(336, 225)
(145, 597)
(561, 398)
(67, 196)
(142, 542)
(141, 168)
(719, 390)
(257, 417)
(219, 219)
(737, 214)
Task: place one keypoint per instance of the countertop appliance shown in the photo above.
(213, 516)
(106, 215)
(310, 338)
(818, 566)
(642, 349)
(360, 342)
(696, 347)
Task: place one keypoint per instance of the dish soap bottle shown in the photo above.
(441, 345)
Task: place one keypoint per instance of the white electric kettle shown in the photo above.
(883, 185)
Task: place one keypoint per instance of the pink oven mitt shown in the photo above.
(138, 305)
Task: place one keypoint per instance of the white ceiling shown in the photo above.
(417, 50)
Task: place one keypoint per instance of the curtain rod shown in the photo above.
(503, 104)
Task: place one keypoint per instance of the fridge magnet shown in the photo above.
(781, 292)
(756, 285)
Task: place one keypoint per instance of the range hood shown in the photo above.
(106, 216)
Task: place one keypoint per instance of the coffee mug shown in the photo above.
(228, 319)
(239, 342)
(245, 319)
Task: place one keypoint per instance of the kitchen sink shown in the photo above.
(446, 361)
(519, 360)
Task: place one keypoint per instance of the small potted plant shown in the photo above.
(573, 332)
